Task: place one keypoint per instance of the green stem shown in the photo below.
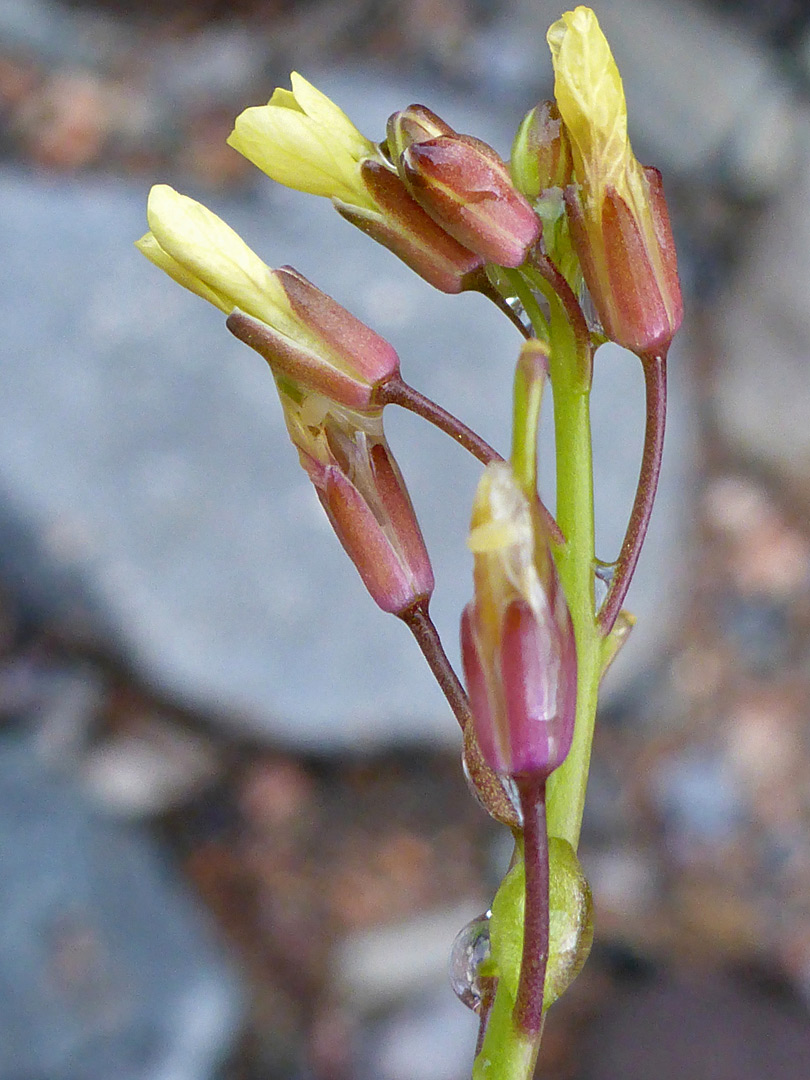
(575, 562)
(523, 292)
(486, 287)
(530, 377)
(545, 275)
(506, 1053)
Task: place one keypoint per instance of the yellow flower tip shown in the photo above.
(321, 109)
(590, 96)
(617, 215)
(492, 536)
(301, 139)
(148, 246)
(284, 99)
(196, 248)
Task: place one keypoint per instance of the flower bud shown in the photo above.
(463, 185)
(331, 352)
(629, 263)
(362, 491)
(415, 124)
(517, 640)
(617, 214)
(541, 153)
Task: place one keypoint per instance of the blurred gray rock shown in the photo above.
(698, 798)
(737, 1030)
(41, 28)
(761, 390)
(373, 969)
(107, 967)
(153, 502)
(429, 1038)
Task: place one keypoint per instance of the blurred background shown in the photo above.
(235, 841)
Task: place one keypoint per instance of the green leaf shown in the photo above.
(570, 922)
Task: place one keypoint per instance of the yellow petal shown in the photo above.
(210, 251)
(590, 96)
(332, 119)
(303, 140)
(149, 247)
(295, 151)
(284, 99)
(492, 536)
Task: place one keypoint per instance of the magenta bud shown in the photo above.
(320, 345)
(517, 640)
(464, 185)
(628, 259)
(539, 671)
(400, 224)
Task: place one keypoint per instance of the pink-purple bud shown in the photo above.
(320, 345)
(415, 124)
(464, 185)
(517, 640)
(363, 493)
(627, 254)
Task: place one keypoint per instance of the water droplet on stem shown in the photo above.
(470, 949)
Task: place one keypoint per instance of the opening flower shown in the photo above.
(299, 330)
(303, 140)
(617, 212)
(196, 248)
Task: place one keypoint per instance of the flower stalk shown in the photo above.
(398, 392)
(655, 384)
(528, 1012)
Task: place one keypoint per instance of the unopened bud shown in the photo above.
(360, 487)
(416, 124)
(541, 153)
(399, 223)
(464, 185)
(517, 640)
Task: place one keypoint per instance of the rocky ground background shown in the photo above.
(236, 843)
